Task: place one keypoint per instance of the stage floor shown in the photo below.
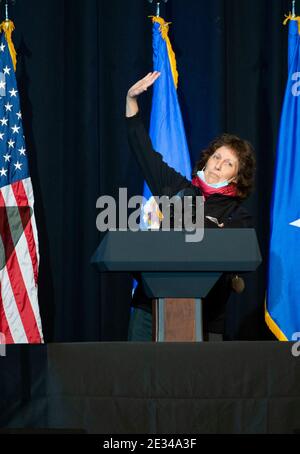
(182, 388)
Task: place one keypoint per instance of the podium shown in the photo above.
(173, 269)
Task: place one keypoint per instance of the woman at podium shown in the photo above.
(224, 175)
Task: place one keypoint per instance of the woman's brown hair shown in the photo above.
(246, 160)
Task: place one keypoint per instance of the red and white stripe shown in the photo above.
(19, 311)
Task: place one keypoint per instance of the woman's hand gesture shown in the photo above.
(143, 84)
(138, 88)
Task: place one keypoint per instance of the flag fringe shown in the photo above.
(273, 326)
(7, 26)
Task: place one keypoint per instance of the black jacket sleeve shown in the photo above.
(161, 178)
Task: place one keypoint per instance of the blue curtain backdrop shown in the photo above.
(76, 61)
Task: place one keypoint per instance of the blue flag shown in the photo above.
(283, 296)
(166, 124)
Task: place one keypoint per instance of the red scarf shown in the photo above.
(207, 190)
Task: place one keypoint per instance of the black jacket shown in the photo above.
(164, 180)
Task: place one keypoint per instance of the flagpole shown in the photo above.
(157, 5)
(6, 10)
(157, 9)
(6, 7)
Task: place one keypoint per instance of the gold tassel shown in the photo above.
(164, 29)
(290, 17)
(8, 27)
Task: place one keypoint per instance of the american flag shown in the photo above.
(19, 255)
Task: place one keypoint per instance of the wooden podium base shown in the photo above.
(177, 320)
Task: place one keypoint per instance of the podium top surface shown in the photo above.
(158, 251)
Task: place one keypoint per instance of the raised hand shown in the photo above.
(143, 84)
